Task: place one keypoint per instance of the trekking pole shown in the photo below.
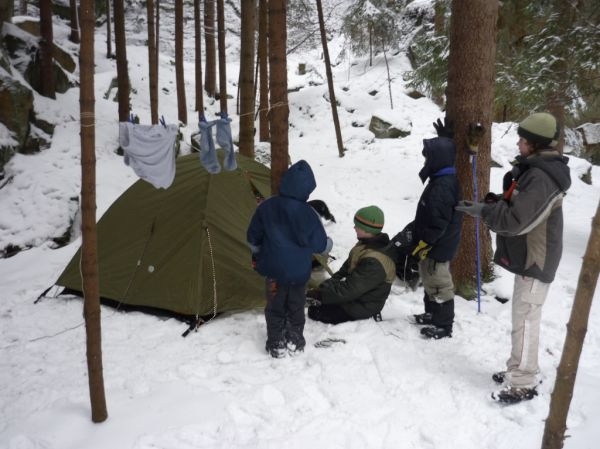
(476, 132)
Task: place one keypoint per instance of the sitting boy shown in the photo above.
(361, 286)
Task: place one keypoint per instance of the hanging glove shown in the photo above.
(474, 135)
(444, 129)
(421, 250)
(471, 208)
(314, 297)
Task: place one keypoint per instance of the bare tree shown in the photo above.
(179, 79)
(247, 78)
(47, 84)
(222, 60)
(210, 67)
(556, 424)
(470, 102)
(74, 36)
(108, 31)
(278, 87)
(336, 120)
(263, 62)
(89, 250)
(121, 51)
(198, 58)
(152, 62)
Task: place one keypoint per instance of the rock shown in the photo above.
(385, 130)
(16, 106)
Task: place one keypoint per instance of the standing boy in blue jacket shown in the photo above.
(283, 234)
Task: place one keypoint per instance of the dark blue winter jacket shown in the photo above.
(285, 231)
(436, 221)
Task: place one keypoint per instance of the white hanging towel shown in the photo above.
(150, 151)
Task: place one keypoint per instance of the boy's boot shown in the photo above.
(425, 318)
(442, 319)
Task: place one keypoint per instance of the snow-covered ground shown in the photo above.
(217, 388)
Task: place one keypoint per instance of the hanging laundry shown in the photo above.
(150, 151)
(225, 141)
(208, 154)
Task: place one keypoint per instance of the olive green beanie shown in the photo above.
(540, 128)
(369, 219)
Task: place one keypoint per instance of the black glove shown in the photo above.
(444, 129)
(314, 297)
(492, 198)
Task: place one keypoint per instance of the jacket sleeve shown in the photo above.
(441, 209)
(530, 204)
(368, 274)
(256, 230)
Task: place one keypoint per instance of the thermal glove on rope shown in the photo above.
(471, 208)
(422, 250)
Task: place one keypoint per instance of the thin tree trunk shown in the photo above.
(222, 60)
(121, 51)
(279, 110)
(157, 37)
(198, 59)
(210, 67)
(336, 120)
(108, 31)
(556, 424)
(470, 94)
(152, 63)
(47, 84)
(89, 263)
(74, 35)
(179, 78)
(23, 7)
(247, 78)
(263, 61)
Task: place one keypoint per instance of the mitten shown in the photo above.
(314, 297)
(491, 198)
(421, 250)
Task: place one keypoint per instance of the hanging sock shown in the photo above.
(208, 154)
(225, 141)
(150, 151)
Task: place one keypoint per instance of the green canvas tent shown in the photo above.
(181, 250)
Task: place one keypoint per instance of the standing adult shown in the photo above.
(528, 221)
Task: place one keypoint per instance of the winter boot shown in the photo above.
(277, 350)
(437, 332)
(513, 395)
(423, 318)
(499, 377)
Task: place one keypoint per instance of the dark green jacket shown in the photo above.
(363, 283)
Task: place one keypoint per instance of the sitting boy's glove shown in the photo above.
(421, 250)
(314, 297)
(492, 198)
(471, 208)
(328, 247)
(444, 129)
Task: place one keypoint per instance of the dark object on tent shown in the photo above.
(407, 266)
(181, 250)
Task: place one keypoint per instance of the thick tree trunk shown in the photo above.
(247, 78)
(179, 77)
(469, 97)
(47, 84)
(279, 110)
(74, 35)
(210, 66)
(108, 31)
(121, 51)
(152, 63)
(222, 60)
(556, 424)
(89, 264)
(336, 120)
(263, 62)
(198, 58)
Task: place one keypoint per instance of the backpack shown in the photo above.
(407, 266)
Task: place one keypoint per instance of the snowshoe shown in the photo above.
(328, 342)
(436, 332)
(423, 318)
(513, 395)
(499, 377)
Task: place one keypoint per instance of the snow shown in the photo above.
(217, 388)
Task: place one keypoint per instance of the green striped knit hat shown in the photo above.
(369, 219)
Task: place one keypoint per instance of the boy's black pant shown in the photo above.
(329, 313)
(284, 314)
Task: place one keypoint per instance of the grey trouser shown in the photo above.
(528, 297)
(437, 280)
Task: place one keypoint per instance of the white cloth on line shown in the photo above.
(150, 151)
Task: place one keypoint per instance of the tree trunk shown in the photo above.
(263, 61)
(210, 67)
(222, 61)
(152, 63)
(121, 51)
(469, 96)
(279, 110)
(108, 31)
(23, 7)
(89, 264)
(157, 37)
(556, 424)
(247, 78)
(439, 18)
(74, 35)
(179, 79)
(47, 85)
(198, 59)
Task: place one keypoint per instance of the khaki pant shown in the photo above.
(528, 297)
(437, 280)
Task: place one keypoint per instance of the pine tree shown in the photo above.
(247, 78)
